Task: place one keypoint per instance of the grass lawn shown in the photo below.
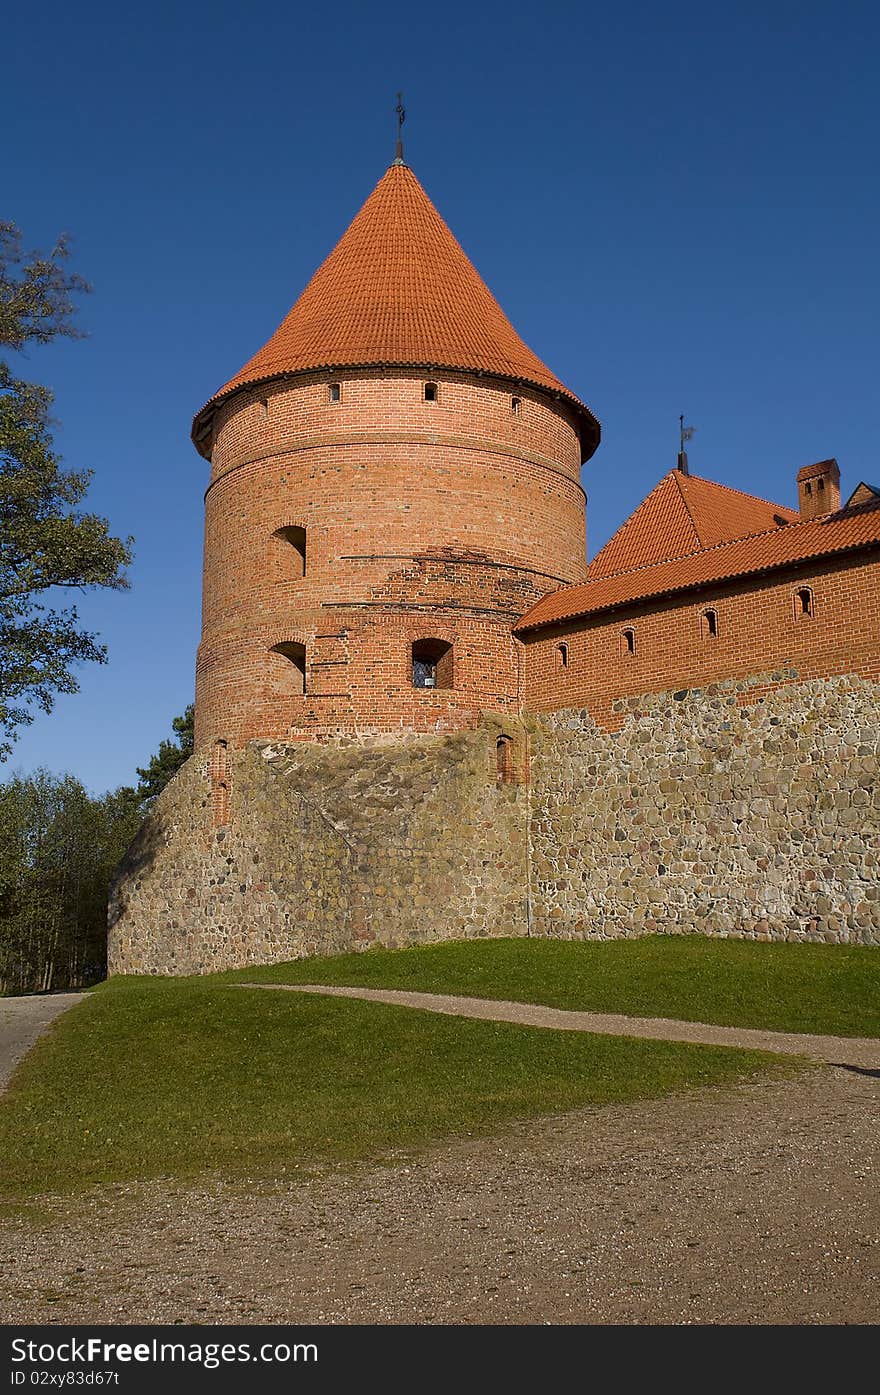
(831, 989)
(155, 1077)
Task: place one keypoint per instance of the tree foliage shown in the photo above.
(58, 849)
(48, 546)
(169, 758)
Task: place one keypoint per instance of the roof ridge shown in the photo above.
(788, 547)
(684, 499)
(741, 493)
(727, 542)
(620, 533)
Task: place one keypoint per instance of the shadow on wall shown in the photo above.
(327, 849)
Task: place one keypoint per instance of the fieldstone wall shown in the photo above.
(326, 849)
(748, 808)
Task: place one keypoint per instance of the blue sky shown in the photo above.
(677, 205)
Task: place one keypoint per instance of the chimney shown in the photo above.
(818, 489)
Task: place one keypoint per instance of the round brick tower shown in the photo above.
(395, 480)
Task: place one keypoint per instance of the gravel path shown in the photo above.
(756, 1204)
(848, 1051)
(24, 1019)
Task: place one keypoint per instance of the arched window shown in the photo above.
(562, 656)
(431, 663)
(294, 539)
(264, 407)
(709, 624)
(295, 672)
(430, 392)
(803, 602)
(504, 760)
(628, 643)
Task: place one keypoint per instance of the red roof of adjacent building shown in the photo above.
(397, 291)
(805, 541)
(682, 515)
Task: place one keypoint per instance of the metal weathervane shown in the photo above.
(685, 434)
(400, 110)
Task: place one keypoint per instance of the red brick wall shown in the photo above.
(758, 630)
(445, 520)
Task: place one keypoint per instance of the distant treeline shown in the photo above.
(59, 847)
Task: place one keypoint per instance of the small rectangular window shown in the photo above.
(295, 550)
(431, 663)
(516, 406)
(334, 392)
(430, 392)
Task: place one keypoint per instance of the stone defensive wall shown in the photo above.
(321, 849)
(746, 808)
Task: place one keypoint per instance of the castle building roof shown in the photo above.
(776, 547)
(397, 291)
(684, 514)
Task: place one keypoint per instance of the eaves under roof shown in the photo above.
(834, 534)
(397, 291)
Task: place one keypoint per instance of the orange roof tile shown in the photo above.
(779, 547)
(682, 515)
(397, 290)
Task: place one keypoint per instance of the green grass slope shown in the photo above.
(832, 989)
(153, 1077)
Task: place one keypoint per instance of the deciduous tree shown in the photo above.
(48, 546)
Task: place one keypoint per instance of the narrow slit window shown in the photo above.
(504, 760)
(264, 407)
(334, 392)
(219, 785)
(430, 392)
(516, 406)
(803, 602)
(293, 671)
(628, 643)
(294, 542)
(710, 624)
(562, 656)
(432, 664)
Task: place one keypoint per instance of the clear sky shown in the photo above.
(676, 204)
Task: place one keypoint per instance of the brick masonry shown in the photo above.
(760, 628)
(352, 515)
(444, 520)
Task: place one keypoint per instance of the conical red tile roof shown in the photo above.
(397, 290)
(682, 515)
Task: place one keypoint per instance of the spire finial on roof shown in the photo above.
(400, 109)
(685, 434)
